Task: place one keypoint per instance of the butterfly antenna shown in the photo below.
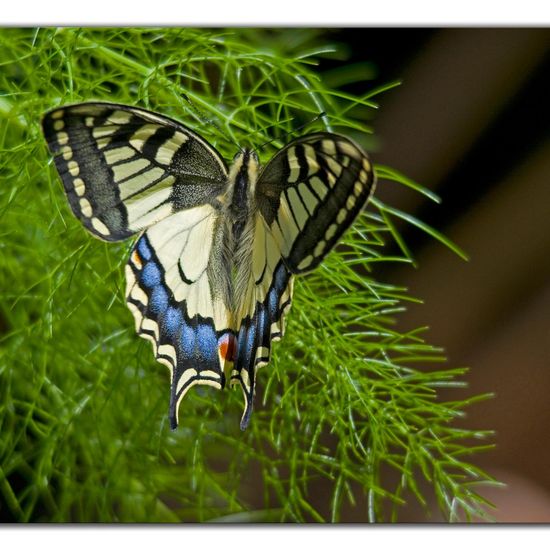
(314, 119)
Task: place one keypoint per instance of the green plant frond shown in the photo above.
(347, 396)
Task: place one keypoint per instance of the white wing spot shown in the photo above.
(58, 125)
(331, 231)
(58, 114)
(320, 248)
(62, 138)
(103, 142)
(328, 146)
(335, 167)
(358, 187)
(120, 153)
(151, 326)
(139, 138)
(86, 207)
(167, 349)
(348, 149)
(100, 227)
(342, 214)
(210, 374)
(89, 121)
(170, 147)
(120, 118)
(318, 186)
(305, 262)
(79, 187)
(67, 152)
(311, 159)
(74, 170)
(102, 131)
(130, 279)
(185, 377)
(295, 203)
(350, 203)
(138, 317)
(308, 197)
(245, 379)
(294, 165)
(127, 169)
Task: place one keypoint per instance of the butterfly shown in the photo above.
(210, 276)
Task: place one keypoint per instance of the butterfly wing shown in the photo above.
(260, 320)
(310, 193)
(125, 168)
(307, 196)
(170, 292)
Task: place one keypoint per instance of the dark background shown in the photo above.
(471, 122)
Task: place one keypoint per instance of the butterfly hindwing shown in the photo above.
(310, 193)
(268, 300)
(169, 293)
(125, 168)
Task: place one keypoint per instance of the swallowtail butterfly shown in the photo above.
(210, 276)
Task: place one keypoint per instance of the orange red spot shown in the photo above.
(226, 347)
(136, 258)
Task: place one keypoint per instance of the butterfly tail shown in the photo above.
(264, 324)
(244, 370)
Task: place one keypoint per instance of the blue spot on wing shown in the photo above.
(173, 320)
(261, 324)
(159, 300)
(143, 248)
(187, 340)
(150, 275)
(207, 342)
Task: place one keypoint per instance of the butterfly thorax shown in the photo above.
(241, 186)
(236, 230)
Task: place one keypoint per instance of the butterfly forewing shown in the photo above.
(310, 193)
(125, 169)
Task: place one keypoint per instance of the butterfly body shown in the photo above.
(210, 277)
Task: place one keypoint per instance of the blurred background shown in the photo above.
(471, 122)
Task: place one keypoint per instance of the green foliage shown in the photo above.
(346, 400)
